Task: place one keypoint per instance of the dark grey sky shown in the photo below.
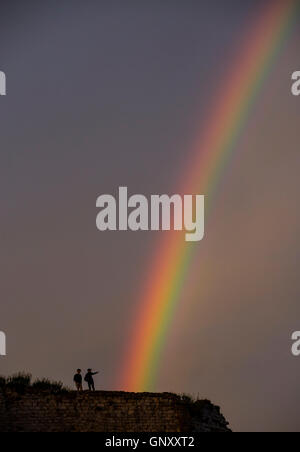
(110, 93)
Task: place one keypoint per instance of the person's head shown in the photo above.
(89, 370)
(79, 371)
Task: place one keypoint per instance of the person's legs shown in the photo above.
(90, 386)
(93, 386)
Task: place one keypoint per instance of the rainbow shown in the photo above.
(219, 138)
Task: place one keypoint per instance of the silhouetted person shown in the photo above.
(89, 379)
(78, 380)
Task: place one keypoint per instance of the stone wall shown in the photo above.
(104, 412)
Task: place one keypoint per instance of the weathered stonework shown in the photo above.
(105, 412)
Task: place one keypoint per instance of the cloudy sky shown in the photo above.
(108, 93)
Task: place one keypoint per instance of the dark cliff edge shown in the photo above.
(106, 411)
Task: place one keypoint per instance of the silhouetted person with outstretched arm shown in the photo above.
(89, 379)
(78, 380)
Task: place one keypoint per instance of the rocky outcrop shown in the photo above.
(207, 417)
(102, 411)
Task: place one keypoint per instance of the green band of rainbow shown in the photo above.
(229, 116)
